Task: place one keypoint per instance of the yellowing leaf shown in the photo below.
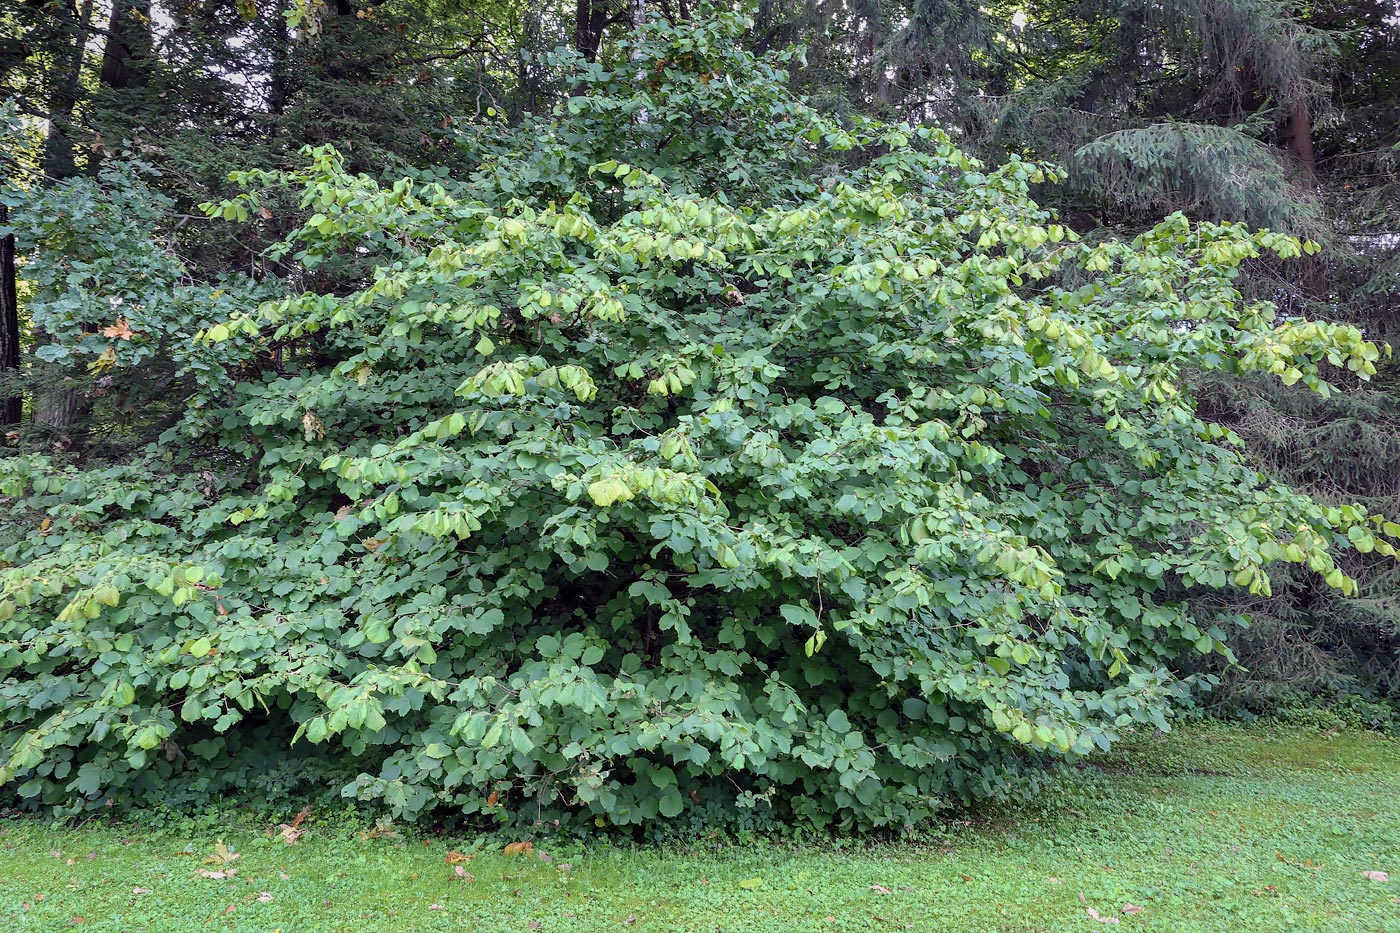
(312, 427)
(605, 492)
(222, 855)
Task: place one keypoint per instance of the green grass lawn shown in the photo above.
(1215, 828)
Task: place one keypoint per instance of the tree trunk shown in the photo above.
(56, 406)
(280, 77)
(870, 46)
(1300, 138)
(61, 409)
(590, 19)
(128, 43)
(1316, 281)
(60, 404)
(59, 159)
(636, 19)
(11, 406)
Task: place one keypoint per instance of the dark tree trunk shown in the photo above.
(60, 161)
(56, 406)
(128, 44)
(60, 404)
(870, 47)
(11, 406)
(280, 79)
(591, 17)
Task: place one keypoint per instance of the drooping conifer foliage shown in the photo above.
(679, 451)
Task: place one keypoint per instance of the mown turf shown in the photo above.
(1217, 828)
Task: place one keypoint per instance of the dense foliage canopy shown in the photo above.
(683, 450)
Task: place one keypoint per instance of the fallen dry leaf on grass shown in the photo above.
(264, 897)
(140, 890)
(1132, 910)
(519, 848)
(1306, 863)
(291, 832)
(1376, 875)
(435, 907)
(1100, 918)
(880, 889)
(383, 827)
(463, 874)
(457, 858)
(219, 874)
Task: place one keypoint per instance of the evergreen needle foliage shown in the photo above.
(1201, 169)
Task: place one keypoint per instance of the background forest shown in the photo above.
(145, 404)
